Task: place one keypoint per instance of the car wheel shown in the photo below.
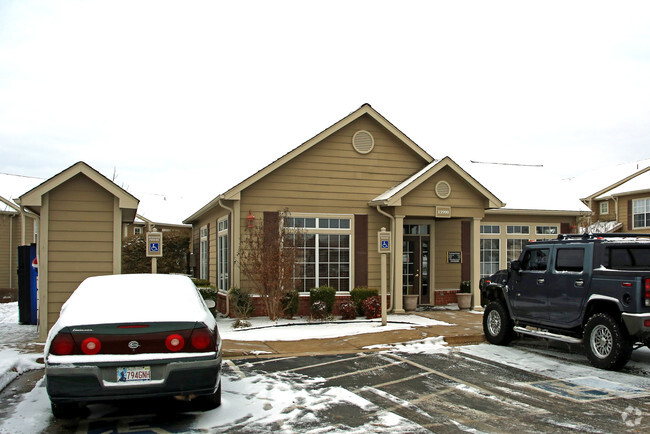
(497, 325)
(606, 342)
(209, 402)
(66, 410)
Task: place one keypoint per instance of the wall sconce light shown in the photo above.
(251, 220)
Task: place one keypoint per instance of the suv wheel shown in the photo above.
(497, 325)
(607, 344)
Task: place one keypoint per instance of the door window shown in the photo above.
(570, 260)
(535, 260)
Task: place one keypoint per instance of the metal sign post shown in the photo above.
(384, 246)
(154, 249)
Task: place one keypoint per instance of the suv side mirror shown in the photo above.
(515, 265)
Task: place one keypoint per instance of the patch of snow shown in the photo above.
(31, 415)
(434, 345)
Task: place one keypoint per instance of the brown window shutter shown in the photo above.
(565, 228)
(360, 250)
(271, 227)
(465, 239)
(629, 216)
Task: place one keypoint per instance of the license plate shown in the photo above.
(133, 373)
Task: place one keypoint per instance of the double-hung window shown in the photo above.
(203, 263)
(323, 251)
(222, 254)
(641, 213)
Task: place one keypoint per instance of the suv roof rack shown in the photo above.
(592, 236)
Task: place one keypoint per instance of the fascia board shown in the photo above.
(502, 211)
(616, 184)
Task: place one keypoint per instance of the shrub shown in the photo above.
(326, 294)
(201, 283)
(466, 286)
(209, 293)
(359, 294)
(348, 309)
(290, 303)
(241, 323)
(372, 307)
(319, 310)
(242, 301)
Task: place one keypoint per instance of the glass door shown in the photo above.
(415, 267)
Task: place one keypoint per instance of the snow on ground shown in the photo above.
(15, 356)
(263, 329)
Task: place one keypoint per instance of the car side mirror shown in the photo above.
(515, 266)
(210, 303)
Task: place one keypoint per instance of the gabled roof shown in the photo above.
(235, 192)
(637, 183)
(33, 198)
(393, 196)
(12, 186)
(615, 176)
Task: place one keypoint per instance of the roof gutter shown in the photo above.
(393, 260)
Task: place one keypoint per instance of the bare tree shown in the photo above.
(267, 256)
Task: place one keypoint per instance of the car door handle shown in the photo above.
(580, 283)
(540, 281)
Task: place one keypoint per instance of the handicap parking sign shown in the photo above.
(384, 244)
(154, 247)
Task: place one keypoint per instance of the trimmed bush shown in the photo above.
(209, 293)
(319, 310)
(290, 303)
(372, 307)
(326, 294)
(348, 309)
(361, 293)
(201, 283)
(242, 301)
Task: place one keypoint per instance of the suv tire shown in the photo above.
(497, 325)
(606, 343)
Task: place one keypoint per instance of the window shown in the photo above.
(223, 260)
(641, 213)
(203, 261)
(546, 230)
(570, 260)
(323, 253)
(629, 258)
(514, 248)
(137, 230)
(416, 229)
(490, 229)
(604, 207)
(535, 260)
(517, 229)
(489, 257)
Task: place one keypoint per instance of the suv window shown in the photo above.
(570, 260)
(535, 259)
(629, 258)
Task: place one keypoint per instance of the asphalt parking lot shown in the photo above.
(455, 390)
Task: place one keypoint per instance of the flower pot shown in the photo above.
(464, 300)
(410, 302)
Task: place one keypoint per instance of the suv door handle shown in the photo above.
(540, 281)
(580, 283)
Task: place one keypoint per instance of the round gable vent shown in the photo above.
(363, 142)
(443, 189)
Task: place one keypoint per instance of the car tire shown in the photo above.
(497, 325)
(606, 342)
(210, 402)
(67, 410)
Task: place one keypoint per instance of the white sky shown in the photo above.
(196, 96)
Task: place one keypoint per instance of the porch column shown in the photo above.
(397, 264)
(475, 272)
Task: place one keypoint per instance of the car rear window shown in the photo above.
(629, 258)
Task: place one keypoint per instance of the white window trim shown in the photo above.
(603, 208)
(203, 254)
(222, 232)
(645, 199)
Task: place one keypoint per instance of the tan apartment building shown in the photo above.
(348, 182)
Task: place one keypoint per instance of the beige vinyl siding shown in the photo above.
(448, 239)
(8, 249)
(80, 238)
(332, 178)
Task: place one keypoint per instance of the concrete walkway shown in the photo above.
(466, 328)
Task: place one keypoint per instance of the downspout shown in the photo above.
(11, 249)
(232, 253)
(393, 259)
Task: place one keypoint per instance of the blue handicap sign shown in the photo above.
(154, 247)
(384, 244)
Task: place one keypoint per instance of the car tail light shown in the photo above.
(647, 292)
(201, 338)
(91, 346)
(175, 342)
(62, 345)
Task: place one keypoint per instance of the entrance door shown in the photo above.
(415, 267)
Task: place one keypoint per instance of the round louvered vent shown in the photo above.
(443, 189)
(363, 142)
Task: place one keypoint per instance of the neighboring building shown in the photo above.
(81, 214)
(624, 205)
(17, 228)
(363, 174)
(162, 212)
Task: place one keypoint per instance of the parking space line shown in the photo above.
(362, 371)
(263, 361)
(300, 368)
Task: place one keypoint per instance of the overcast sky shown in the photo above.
(196, 96)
